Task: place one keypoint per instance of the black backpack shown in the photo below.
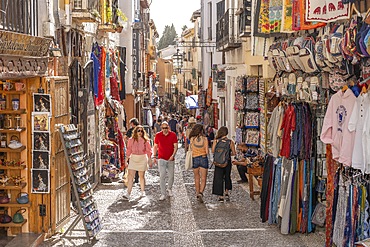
(222, 153)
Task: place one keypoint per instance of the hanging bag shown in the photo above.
(188, 159)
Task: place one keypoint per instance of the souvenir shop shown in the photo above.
(207, 108)
(316, 172)
(108, 91)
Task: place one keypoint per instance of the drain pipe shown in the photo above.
(56, 14)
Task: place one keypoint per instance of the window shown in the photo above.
(245, 18)
(210, 21)
(220, 9)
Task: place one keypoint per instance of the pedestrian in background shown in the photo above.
(157, 125)
(138, 154)
(190, 126)
(222, 176)
(173, 123)
(199, 150)
(165, 147)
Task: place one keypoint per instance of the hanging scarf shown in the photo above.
(101, 83)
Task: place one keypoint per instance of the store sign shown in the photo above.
(135, 58)
(23, 45)
(15, 67)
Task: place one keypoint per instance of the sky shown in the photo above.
(178, 12)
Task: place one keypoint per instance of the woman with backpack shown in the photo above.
(199, 149)
(222, 149)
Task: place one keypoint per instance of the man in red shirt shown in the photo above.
(164, 149)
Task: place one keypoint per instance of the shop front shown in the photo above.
(316, 170)
(35, 187)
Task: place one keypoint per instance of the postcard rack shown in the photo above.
(82, 189)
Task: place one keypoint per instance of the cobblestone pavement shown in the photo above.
(182, 220)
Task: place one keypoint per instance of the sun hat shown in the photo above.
(192, 120)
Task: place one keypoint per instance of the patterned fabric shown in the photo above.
(251, 102)
(275, 15)
(252, 84)
(263, 18)
(331, 170)
(340, 218)
(239, 101)
(252, 119)
(305, 25)
(287, 23)
(366, 229)
(326, 11)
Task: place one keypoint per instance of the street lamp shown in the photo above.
(173, 79)
(177, 61)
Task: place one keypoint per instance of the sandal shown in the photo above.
(200, 197)
(221, 199)
(227, 197)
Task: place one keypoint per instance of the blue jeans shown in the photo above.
(164, 165)
(200, 161)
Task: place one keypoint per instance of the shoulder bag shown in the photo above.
(189, 159)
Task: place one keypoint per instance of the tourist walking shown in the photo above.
(164, 150)
(222, 179)
(191, 124)
(199, 150)
(133, 123)
(138, 157)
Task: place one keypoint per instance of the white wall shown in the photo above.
(208, 52)
(125, 40)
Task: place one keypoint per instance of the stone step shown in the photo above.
(26, 239)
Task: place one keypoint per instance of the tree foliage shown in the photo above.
(168, 37)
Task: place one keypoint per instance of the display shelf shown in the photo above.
(75, 162)
(12, 224)
(14, 92)
(21, 167)
(10, 150)
(12, 186)
(12, 131)
(10, 111)
(15, 205)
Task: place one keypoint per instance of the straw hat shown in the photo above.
(192, 120)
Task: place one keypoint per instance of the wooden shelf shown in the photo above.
(11, 186)
(10, 150)
(21, 167)
(13, 92)
(11, 224)
(15, 205)
(12, 130)
(10, 111)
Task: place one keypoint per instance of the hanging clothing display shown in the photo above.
(335, 128)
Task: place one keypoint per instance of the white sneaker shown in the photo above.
(126, 197)
(162, 198)
(142, 194)
(170, 194)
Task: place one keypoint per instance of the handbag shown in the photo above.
(189, 159)
(319, 215)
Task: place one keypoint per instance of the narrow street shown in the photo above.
(182, 220)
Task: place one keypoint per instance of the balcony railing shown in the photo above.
(19, 16)
(86, 10)
(227, 37)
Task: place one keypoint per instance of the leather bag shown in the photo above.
(189, 159)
